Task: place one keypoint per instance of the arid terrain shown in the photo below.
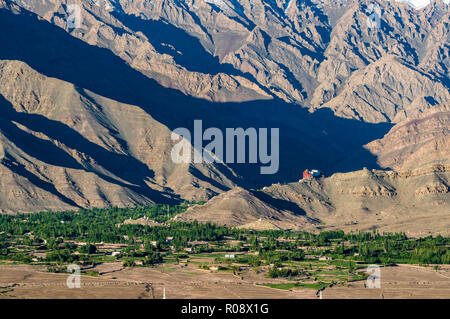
(88, 112)
(415, 201)
(94, 95)
(406, 281)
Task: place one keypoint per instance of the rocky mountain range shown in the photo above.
(412, 201)
(88, 111)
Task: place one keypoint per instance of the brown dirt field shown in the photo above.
(403, 281)
(26, 281)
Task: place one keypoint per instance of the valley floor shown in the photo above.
(182, 282)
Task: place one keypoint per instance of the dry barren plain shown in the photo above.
(181, 282)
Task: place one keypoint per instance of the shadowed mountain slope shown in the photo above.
(413, 201)
(88, 113)
(416, 141)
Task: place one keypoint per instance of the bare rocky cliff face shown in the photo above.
(64, 147)
(314, 54)
(89, 112)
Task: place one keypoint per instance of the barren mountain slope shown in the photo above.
(375, 93)
(414, 201)
(304, 52)
(54, 53)
(241, 208)
(89, 111)
(416, 142)
(366, 65)
(86, 150)
(106, 25)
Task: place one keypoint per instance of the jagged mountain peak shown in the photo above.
(332, 75)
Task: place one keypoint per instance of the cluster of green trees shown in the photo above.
(52, 231)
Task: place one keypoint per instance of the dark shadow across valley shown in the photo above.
(307, 140)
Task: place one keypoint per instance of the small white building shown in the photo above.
(230, 256)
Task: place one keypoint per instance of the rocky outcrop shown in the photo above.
(416, 141)
(241, 208)
(415, 201)
(311, 53)
(87, 113)
(375, 93)
(65, 148)
(378, 72)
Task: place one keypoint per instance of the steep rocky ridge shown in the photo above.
(241, 208)
(414, 201)
(303, 52)
(89, 111)
(416, 141)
